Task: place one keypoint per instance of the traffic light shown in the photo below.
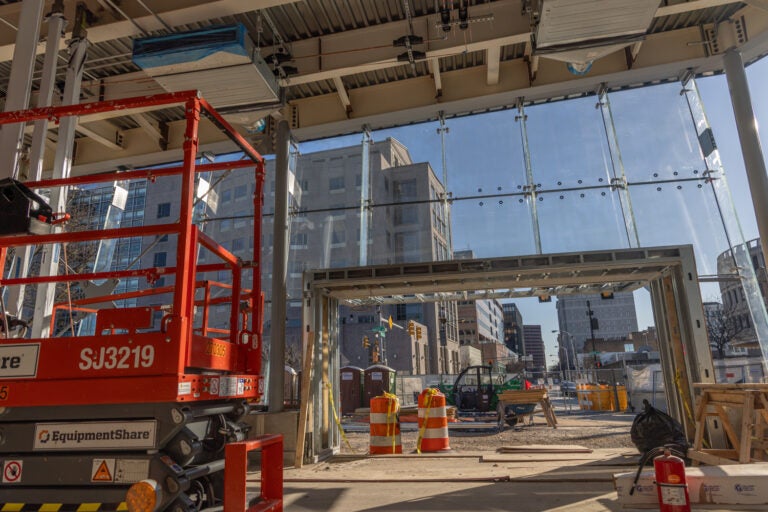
(411, 328)
(418, 333)
(366, 343)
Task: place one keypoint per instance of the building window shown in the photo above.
(238, 244)
(406, 215)
(336, 183)
(160, 259)
(358, 180)
(241, 192)
(299, 241)
(338, 237)
(405, 190)
(163, 210)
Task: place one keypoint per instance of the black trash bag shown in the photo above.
(653, 428)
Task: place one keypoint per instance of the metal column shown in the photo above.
(56, 24)
(619, 179)
(758, 184)
(746, 124)
(62, 165)
(531, 186)
(20, 83)
(279, 269)
(365, 195)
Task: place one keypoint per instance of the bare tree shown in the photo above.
(75, 258)
(724, 325)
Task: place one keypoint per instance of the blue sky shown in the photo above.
(568, 149)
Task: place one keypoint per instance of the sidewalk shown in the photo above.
(476, 481)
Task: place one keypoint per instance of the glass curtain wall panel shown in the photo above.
(665, 170)
(487, 180)
(578, 208)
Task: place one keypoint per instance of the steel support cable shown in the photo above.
(542, 192)
(157, 17)
(109, 4)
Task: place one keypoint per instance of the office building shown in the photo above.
(325, 232)
(613, 317)
(534, 349)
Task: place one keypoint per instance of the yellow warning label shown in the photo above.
(103, 469)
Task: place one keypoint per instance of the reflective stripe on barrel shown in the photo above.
(385, 425)
(433, 422)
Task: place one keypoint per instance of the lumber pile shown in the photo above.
(545, 448)
(742, 410)
(529, 396)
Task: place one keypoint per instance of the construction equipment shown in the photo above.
(138, 415)
(475, 393)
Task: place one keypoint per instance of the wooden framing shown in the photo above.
(742, 410)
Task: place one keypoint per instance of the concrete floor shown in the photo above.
(480, 481)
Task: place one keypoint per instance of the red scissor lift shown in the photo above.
(143, 405)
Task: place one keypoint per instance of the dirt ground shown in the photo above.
(589, 429)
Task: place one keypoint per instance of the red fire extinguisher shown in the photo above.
(670, 483)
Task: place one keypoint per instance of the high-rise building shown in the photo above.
(612, 317)
(514, 337)
(534, 348)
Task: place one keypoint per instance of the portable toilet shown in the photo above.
(379, 379)
(351, 388)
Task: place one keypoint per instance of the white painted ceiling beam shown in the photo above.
(343, 96)
(103, 133)
(493, 61)
(692, 5)
(148, 126)
(434, 69)
(760, 4)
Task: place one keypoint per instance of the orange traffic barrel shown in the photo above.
(385, 425)
(433, 422)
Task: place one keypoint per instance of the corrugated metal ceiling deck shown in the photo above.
(312, 18)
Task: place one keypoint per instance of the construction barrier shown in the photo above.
(433, 422)
(385, 425)
(601, 397)
(622, 392)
